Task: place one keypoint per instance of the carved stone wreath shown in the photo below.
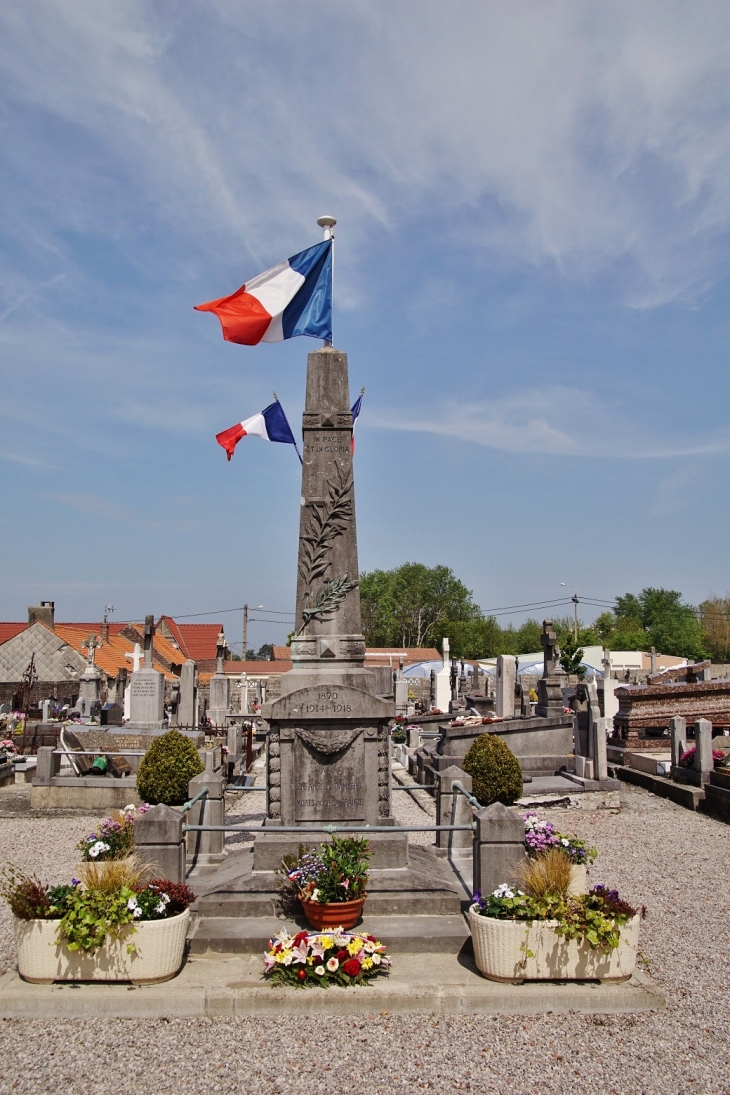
(328, 742)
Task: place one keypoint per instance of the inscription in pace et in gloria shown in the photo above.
(329, 786)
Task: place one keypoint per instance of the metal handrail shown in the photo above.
(189, 805)
(98, 752)
(456, 786)
(392, 829)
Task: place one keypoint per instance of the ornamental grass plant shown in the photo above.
(546, 875)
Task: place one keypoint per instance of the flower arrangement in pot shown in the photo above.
(312, 959)
(109, 925)
(540, 932)
(541, 835)
(330, 883)
(114, 838)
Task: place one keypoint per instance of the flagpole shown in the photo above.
(327, 223)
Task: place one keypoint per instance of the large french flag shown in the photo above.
(293, 298)
(271, 424)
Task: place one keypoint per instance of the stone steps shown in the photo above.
(402, 934)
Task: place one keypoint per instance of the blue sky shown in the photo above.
(531, 281)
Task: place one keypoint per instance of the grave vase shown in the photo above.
(530, 950)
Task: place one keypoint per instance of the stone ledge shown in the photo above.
(421, 984)
(681, 793)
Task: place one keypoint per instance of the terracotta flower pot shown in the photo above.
(337, 914)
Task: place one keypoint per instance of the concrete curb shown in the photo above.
(419, 984)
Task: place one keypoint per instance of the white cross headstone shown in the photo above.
(136, 657)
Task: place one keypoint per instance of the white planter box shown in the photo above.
(160, 946)
(498, 956)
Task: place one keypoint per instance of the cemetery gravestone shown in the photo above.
(187, 707)
(219, 704)
(549, 687)
(147, 687)
(505, 705)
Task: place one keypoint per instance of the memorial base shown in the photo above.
(387, 851)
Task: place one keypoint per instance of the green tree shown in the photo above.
(571, 656)
(715, 623)
(413, 605)
(657, 617)
(481, 637)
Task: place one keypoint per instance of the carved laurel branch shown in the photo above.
(325, 524)
(328, 601)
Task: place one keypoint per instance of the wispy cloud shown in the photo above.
(555, 421)
(103, 509)
(593, 139)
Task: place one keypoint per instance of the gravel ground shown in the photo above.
(658, 854)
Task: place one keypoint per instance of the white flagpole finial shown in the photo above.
(327, 224)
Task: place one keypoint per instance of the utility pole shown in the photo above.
(245, 632)
(574, 599)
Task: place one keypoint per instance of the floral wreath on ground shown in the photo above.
(321, 959)
(541, 835)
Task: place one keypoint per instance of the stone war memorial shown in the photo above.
(437, 855)
(327, 742)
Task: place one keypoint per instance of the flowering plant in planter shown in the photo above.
(7, 749)
(595, 917)
(541, 835)
(321, 959)
(687, 758)
(337, 872)
(110, 897)
(114, 838)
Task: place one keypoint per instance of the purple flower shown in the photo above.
(75, 882)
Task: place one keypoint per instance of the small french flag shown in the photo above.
(356, 408)
(271, 425)
(293, 298)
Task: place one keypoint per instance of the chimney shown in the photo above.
(44, 613)
(105, 632)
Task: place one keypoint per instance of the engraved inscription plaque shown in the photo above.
(329, 785)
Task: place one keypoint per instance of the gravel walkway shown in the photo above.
(658, 854)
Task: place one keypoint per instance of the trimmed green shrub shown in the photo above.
(166, 769)
(494, 769)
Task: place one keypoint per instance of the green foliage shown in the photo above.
(494, 769)
(596, 917)
(715, 623)
(658, 618)
(91, 915)
(571, 657)
(412, 604)
(481, 637)
(166, 769)
(337, 872)
(25, 894)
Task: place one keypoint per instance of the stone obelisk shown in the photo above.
(327, 743)
(328, 642)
